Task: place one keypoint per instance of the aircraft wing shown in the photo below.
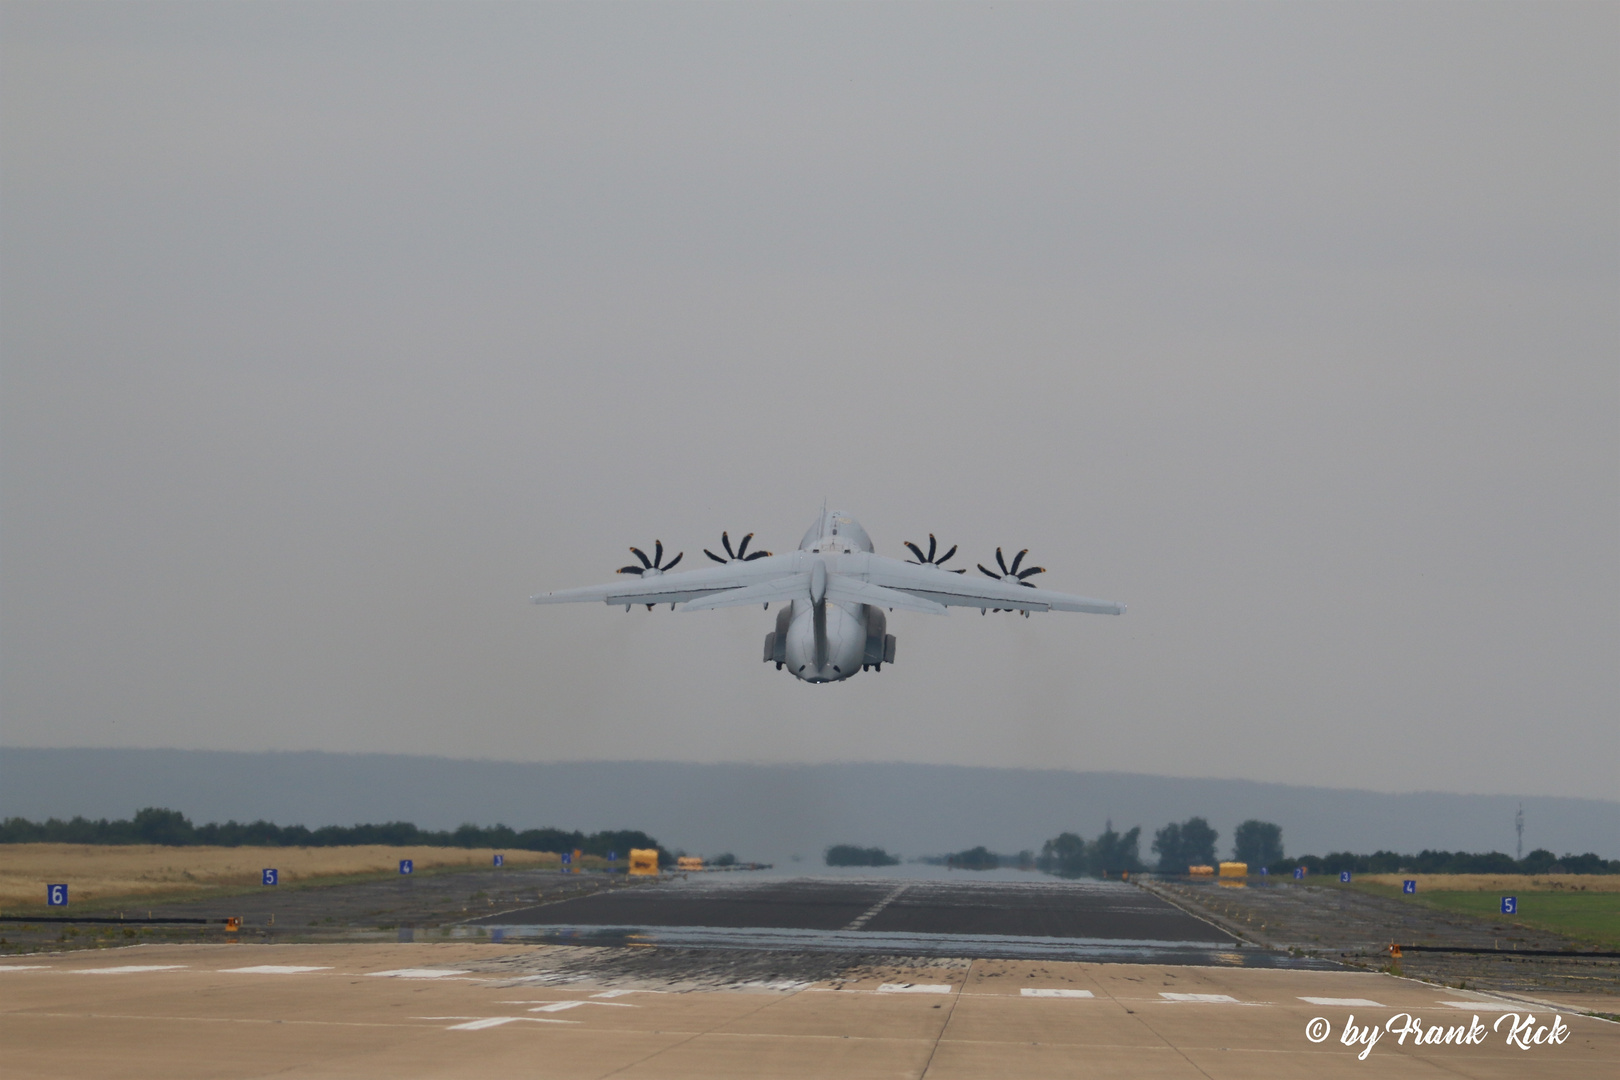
(679, 587)
(960, 590)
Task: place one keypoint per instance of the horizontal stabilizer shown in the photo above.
(792, 587)
(853, 590)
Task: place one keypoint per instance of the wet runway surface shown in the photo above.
(1051, 919)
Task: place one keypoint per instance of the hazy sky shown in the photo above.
(332, 332)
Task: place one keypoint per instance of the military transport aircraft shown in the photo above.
(834, 590)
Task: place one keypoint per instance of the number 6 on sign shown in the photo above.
(406, 866)
(56, 895)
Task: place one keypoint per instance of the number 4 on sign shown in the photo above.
(56, 895)
(1409, 886)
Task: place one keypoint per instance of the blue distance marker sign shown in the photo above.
(1510, 905)
(1264, 872)
(500, 860)
(1299, 873)
(613, 856)
(56, 895)
(1344, 877)
(406, 866)
(1409, 886)
(270, 876)
(567, 862)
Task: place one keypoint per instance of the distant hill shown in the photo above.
(773, 812)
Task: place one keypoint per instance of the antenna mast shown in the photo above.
(1518, 827)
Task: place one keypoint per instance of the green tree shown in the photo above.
(1114, 852)
(1258, 843)
(1190, 843)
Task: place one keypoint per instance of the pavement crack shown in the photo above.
(860, 921)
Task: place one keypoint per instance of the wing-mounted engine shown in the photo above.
(929, 559)
(652, 567)
(740, 555)
(1012, 575)
(879, 644)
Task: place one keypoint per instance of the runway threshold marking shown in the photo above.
(1486, 1006)
(479, 1023)
(1206, 998)
(272, 969)
(1035, 992)
(23, 967)
(416, 973)
(1364, 1003)
(128, 969)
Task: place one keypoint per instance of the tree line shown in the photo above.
(1180, 845)
(155, 825)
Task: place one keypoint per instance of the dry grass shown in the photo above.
(1427, 883)
(95, 872)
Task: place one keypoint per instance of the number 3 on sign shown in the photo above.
(56, 895)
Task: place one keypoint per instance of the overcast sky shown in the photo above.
(332, 332)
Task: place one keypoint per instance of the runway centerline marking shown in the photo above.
(129, 969)
(272, 969)
(1364, 1003)
(1207, 998)
(866, 916)
(416, 973)
(1487, 1006)
(479, 1023)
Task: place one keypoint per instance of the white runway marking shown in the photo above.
(1362, 1002)
(272, 969)
(780, 984)
(24, 967)
(564, 1006)
(416, 973)
(866, 916)
(1029, 991)
(621, 993)
(132, 969)
(1486, 1006)
(915, 988)
(1198, 997)
(479, 1023)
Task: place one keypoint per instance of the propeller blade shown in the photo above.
(658, 553)
(1018, 559)
(642, 555)
(713, 556)
(917, 551)
(671, 564)
(1031, 572)
(725, 540)
(636, 570)
(932, 544)
(961, 571)
(758, 555)
(939, 561)
(990, 573)
(1001, 562)
(742, 548)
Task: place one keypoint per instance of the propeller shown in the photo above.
(1011, 574)
(740, 555)
(650, 567)
(929, 560)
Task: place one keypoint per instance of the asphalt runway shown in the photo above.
(1099, 920)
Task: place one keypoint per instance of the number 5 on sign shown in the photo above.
(56, 895)
(1510, 905)
(270, 876)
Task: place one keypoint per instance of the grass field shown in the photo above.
(1582, 906)
(99, 875)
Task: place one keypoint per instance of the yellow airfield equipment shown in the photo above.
(644, 861)
(689, 862)
(1234, 869)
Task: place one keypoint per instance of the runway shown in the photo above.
(1042, 918)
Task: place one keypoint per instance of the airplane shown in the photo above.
(834, 591)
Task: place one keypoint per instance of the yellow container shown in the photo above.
(689, 862)
(1234, 869)
(1201, 871)
(644, 861)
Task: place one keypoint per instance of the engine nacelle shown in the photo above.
(776, 641)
